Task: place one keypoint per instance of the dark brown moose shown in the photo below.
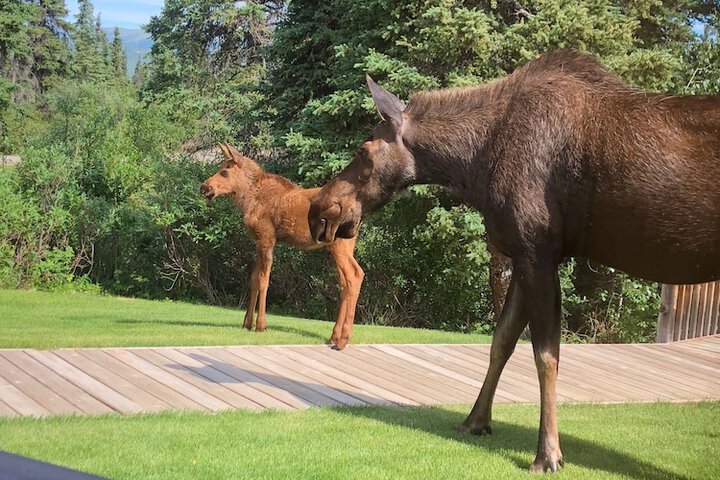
(276, 210)
(563, 159)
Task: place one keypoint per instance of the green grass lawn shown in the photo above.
(636, 441)
(31, 319)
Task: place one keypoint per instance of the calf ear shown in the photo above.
(231, 153)
(388, 105)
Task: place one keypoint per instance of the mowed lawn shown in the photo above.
(43, 320)
(638, 441)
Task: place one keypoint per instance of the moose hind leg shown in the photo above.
(510, 325)
(252, 300)
(265, 258)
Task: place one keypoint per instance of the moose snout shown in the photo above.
(207, 191)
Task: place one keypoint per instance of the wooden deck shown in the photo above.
(135, 380)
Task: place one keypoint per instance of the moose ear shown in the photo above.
(231, 153)
(388, 105)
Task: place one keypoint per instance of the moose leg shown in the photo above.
(351, 276)
(510, 325)
(545, 321)
(265, 256)
(252, 300)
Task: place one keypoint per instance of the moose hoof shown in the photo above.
(547, 464)
(475, 430)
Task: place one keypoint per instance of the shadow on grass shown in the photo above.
(301, 332)
(513, 441)
(179, 323)
(508, 440)
(191, 323)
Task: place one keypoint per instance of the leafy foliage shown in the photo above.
(107, 190)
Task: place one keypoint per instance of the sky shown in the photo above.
(124, 13)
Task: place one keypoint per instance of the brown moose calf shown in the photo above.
(276, 210)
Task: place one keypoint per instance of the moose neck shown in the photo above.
(247, 191)
(447, 134)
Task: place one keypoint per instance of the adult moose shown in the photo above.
(563, 159)
(276, 210)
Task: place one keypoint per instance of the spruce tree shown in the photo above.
(117, 55)
(91, 59)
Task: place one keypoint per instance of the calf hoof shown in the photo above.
(247, 327)
(547, 464)
(260, 329)
(342, 343)
(475, 429)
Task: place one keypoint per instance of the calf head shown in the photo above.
(232, 177)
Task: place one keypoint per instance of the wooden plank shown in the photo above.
(694, 308)
(715, 324)
(366, 390)
(621, 369)
(570, 386)
(102, 392)
(256, 399)
(145, 401)
(680, 313)
(671, 351)
(228, 364)
(153, 387)
(713, 308)
(668, 310)
(702, 311)
(425, 377)
(610, 382)
(382, 377)
(658, 370)
(420, 358)
(19, 402)
(34, 389)
(398, 371)
(299, 379)
(6, 411)
(219, 397)
(519, 377)
(198, 396)
(83, 401)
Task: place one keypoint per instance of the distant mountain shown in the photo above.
(137, 43)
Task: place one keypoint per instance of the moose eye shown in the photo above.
(224, 173)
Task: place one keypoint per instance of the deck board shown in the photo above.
(132, 380)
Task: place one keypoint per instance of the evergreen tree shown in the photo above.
(117, 55)
(33, 46)
(209, 54)
(138, 77)
(91, 60)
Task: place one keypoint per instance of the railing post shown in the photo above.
(666, 318)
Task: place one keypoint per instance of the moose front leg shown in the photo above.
(545, 322)
(510, 325)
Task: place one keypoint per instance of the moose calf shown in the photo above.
(276, 210)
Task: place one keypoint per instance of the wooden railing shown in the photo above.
(689, 311)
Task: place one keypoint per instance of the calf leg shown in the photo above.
(265, 256)
(252, 300)
(510, 325)
(350, 276)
